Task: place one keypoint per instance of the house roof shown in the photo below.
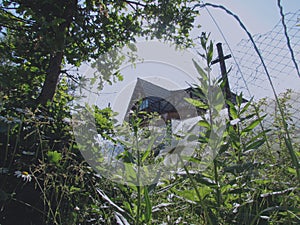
(161, 100)
(155, 98)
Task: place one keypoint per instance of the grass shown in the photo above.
(252, 177)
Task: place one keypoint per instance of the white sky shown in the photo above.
(259, 16)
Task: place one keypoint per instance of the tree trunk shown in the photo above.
(55, 64)
(52, 76)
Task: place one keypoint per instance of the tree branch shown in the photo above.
(11, 16)
(135, 3)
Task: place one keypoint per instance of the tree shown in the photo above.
(39, 37)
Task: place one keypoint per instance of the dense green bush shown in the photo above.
(45, 180)
(252, 179)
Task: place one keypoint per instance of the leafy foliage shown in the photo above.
(252, 177)
(41, 37)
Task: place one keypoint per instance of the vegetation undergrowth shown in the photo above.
(249, 176)
(45, 180)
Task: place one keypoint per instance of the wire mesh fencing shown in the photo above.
(247, 74)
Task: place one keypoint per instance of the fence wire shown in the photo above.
(247, 74)
(272, 45)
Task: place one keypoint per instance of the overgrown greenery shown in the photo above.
(39, 38)
(251, 179)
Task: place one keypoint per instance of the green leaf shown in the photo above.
(239, 99)
(210, 52)
(248, 117)
(204, 123)
(234, 137)
(131, 175)
(291, 171)
(203, 40)
(132, 47)
(201, 72)
(292, 154)
(239, 190)
(205, 180)
(246, 106)
(224, 148)
(255, 145)
(258, 136)
(239, 168)
(54, 156)
(204, 191)
(126, 156)
(127, 207)
(148, 209)
(155, 181)
(196, 103)
(149, 149)
(232, 110)
(74, 189)
(262, 181)
(190, 195)
(253, 124)
(217, 100)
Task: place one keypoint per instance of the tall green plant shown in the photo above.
(136, 207)
(227, 181)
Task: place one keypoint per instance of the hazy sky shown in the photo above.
(259, 16)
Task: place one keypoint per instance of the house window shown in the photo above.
(144, 104)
